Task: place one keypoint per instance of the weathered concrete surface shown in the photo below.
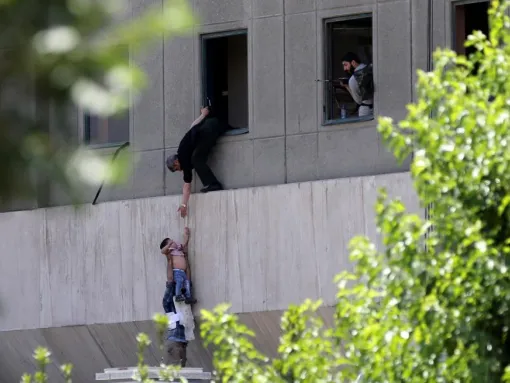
(260, 249)
(93, 348)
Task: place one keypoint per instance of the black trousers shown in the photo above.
(209, 131)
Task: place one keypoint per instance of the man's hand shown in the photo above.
(186, 192)
(187, 232)
(204, 111)
(183, 209)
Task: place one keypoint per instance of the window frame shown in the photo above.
(453, 18)
(327, 62)
(84, 131)
(83, 116)
(203, 38)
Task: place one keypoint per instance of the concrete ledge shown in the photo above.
(110, 374)
(260, 249)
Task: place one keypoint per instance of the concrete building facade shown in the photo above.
(280, 87)
(273, 65)
(283, 53)
(289, 139)
(307, 178)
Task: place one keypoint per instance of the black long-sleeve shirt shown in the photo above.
(185, 152)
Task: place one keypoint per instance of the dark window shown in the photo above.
(106, 131)
(225, 76)
(469, 17)
(342, 36)
(109, 131)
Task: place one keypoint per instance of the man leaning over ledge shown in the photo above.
(193, 152)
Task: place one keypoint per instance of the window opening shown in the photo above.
(353, 35)
(100, 131)
(225, 78)
(468, 18)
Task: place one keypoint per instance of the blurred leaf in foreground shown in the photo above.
(58, 57)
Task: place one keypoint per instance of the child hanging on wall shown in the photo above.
(178, 271)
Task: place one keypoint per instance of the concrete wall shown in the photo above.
(83, 282)
(260, 249)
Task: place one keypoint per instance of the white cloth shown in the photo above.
(364, 111)
(186, 319)
(173, 318)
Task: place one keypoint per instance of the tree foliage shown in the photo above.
(433, 305)
(59, 56)
(42, 357)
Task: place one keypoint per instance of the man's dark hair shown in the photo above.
(170, 162)
(164, 243)
(351, 56)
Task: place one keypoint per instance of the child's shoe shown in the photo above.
(189, 296)
(180, 298)
(190, 301)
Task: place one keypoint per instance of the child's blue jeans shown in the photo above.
(181, 281)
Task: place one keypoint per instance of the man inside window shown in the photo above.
(361, 83)
(193, 153)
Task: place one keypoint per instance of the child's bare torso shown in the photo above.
(178, 257)
(179, 262)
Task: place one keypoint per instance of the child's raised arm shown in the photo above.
(187, 235)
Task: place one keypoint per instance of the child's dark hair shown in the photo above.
(164, 243)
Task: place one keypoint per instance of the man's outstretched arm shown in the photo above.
(186, 188)
(186, 192)
(203, 114)
(198, 120)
